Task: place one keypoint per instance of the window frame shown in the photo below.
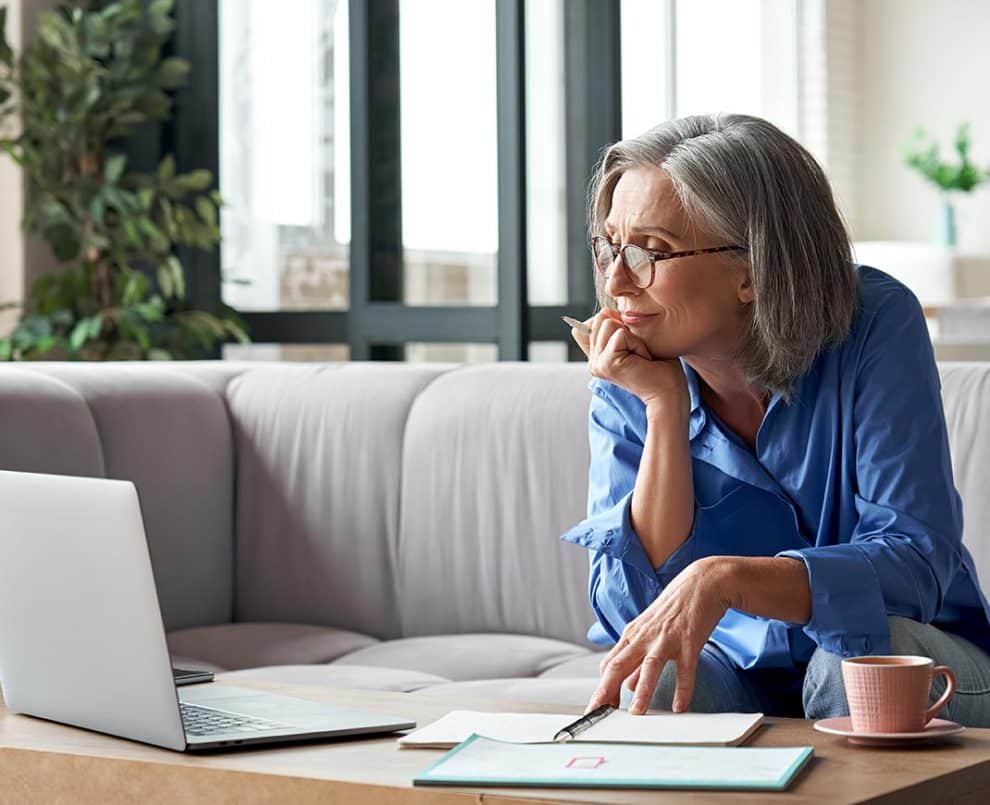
(377, 323)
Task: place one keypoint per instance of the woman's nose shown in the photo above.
(619, 281)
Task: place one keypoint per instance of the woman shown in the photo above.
(770, 485)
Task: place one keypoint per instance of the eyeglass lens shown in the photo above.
(637, 260)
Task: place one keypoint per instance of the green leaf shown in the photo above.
(38, 326)
(135, 288)
(166, 168)
(206, 211)
(178, 276)
(131, 232)
(154, 234)
(97, 208)
(149, 311)
(95, 325)
(22, 339)
(165, 281)
(62, 317)
(194, 180)
(172, 72)
(6, 348)
(237, 331)
(79, 335)
(113, 168)
(157, 354)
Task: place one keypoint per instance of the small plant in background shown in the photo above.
(922, 153)
(92, 76)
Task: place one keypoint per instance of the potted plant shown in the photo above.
(92, 76)
(922, 154)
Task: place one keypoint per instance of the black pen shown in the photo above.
(571, 731)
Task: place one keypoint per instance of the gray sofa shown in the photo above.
(387, 526)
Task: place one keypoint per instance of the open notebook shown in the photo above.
(698, 729)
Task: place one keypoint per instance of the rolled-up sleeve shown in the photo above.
(905, 546)
(623, 581)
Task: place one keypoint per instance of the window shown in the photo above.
(685, 57)
(284, 154)
(394, 170)
(449, 151)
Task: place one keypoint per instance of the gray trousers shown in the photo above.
(818, 693)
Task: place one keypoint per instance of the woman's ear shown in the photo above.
(745, 291)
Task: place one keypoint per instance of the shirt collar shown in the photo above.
(698, 418)
(697, 421)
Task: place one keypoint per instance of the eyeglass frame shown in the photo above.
(653, 255)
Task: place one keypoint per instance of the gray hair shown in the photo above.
(746, 181)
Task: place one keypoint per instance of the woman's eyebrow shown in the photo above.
(649, 230)
(645, 230)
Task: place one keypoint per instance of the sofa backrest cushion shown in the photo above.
(494, 469)
(319, 457)
(165, 430)
(966, 396)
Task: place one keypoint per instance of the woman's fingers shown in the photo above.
(649, 675)
(601, 331)
(617, 669)
(687, 669)
(583, 341)
(632, 680)
(623, 642)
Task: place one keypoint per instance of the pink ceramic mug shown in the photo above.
(890, 694)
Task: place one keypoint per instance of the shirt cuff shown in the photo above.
(848, 611)
(611, 532)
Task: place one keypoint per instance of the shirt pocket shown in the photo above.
(743, 520)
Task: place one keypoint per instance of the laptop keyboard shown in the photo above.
(200, 721)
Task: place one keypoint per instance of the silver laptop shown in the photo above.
(81, 635)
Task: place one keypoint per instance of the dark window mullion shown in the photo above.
(512, 310)
(376, 170)
(593, 114)
(193, 133)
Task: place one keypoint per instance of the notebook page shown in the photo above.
(458, 725)
(699, 729)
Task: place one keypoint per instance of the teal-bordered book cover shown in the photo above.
(481, 761)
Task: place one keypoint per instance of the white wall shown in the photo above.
(11, 199)
(923, 62)
(21, 258)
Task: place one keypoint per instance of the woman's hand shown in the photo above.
(617, 355)
(675, 627)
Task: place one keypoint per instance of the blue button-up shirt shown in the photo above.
(851, 476)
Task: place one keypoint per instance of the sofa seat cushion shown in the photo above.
(552, 692)
(252, 645)
(468, 656)
(584, 666)
(362, 677)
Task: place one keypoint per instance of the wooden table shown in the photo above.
(45, 762)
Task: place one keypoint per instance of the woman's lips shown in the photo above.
(636, 318)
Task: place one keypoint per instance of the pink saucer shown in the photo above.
(937, 728)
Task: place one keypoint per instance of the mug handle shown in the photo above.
(950, 688)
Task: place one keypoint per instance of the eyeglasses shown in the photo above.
(641, 262)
